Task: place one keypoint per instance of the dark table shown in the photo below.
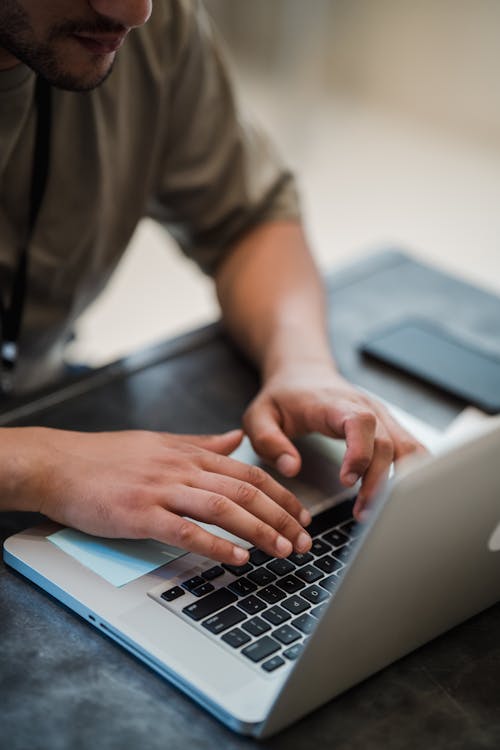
(64, 685)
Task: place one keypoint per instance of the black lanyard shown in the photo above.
(11, 311)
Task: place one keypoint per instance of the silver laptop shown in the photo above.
(263, 645)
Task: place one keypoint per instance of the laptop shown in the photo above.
(262, 645)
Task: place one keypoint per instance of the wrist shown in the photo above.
(290, 359)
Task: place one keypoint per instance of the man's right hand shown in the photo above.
(139, 485)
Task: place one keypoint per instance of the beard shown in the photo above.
(18, 39)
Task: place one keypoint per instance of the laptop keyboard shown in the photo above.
(266, 609)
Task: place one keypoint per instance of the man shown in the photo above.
(141, 121)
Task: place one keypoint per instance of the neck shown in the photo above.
(7, 60)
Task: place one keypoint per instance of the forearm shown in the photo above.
(20, 468)
(272, 299)
(273, 304)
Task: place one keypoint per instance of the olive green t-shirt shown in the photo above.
(161, 137)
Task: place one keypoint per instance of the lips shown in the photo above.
(100, 44)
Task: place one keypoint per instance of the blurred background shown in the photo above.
(389, 112)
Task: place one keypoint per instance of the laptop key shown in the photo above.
(276, 615)
(261, 649)
(271, 594)
(236, 638)
(214, 572)
(238, 570)
(334, 516)
(319, 547)
(193, 583)
(262, 576)
(335, 537)
(174, 593)
(291, 584)
(309, 574)
(295, 604)
(224, 620)
(318, 611)
(206, 588)
(256, 626)
(294, 651)
(305, 623)
(330, 583)
(242, 586)
(286, 634)
(257, 557)
(328, 564)
(351, 528)
(252, 604)
(315, 594)
(210, 604)
(342, 553)
(300, 558)
(281, 567)
(271, 664)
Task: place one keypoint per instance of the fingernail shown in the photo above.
(305, 517)
(231, 433)
(286, 465)
(240, 555)
(284, 546)
(303, 542)
(352, 478)
(359, 507)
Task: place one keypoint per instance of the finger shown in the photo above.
(254, 475)
(359, 432)
(404, 442)
(225, 443)
(263, 426)
(215, 508)
(259, 505)
(378, 470)
(168, 528)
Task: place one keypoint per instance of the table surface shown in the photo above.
(63, 684)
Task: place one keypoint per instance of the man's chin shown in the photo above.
(78, 81)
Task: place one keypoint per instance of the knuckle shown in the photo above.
(215, 461)
(264, 439)
(361, 463)
(283, 522)
(384, 447)
(407, 446)
(184, 534)
(367, 419)
(245, 494)
(256, 476)
(217, 505)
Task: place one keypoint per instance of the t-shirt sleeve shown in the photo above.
(218, 174)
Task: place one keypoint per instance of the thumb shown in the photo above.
(224, 443)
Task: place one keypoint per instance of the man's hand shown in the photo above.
(273, 303)
(148, 485)
(315, 398)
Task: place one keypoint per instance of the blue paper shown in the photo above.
(118, 561)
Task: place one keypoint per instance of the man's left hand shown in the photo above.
(315, 398)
